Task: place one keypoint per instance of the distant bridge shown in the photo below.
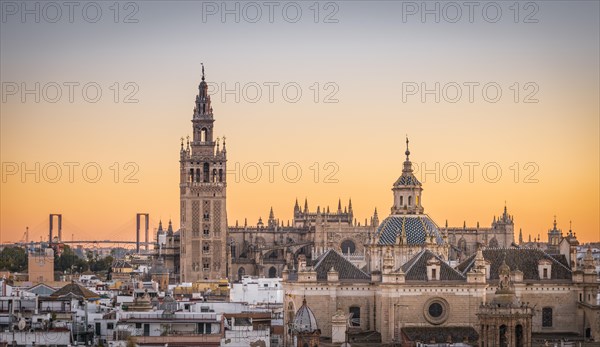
(58, 237)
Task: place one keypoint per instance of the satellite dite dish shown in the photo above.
(22, 324)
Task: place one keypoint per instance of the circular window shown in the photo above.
(435, 310)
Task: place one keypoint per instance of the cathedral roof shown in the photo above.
(418, 228)
(346, 270)
(305, 320)
(416, 268)
(524, 259)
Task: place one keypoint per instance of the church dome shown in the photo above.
(305, 320)
(418, 229)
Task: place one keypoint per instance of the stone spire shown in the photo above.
(375, 218)
(170, 228)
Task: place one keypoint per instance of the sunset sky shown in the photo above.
(361, 70)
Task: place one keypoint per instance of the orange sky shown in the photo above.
(359, 131)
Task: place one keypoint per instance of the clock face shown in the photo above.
(435, 310)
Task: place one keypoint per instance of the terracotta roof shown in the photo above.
(76, 290)
(524, 259)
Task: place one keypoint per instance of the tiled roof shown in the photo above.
(523, 259)
(74, 289)
(416, 268)
(416, 227)
(440, 334)
(407, 180)
(346, 270)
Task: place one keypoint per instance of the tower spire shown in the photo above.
(407, 189)
(202, 70)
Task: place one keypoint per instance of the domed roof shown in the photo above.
(305, 320)
(417, 227)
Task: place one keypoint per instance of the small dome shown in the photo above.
(305, 320)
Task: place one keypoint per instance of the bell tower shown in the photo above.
(407, 190)
(203, 197)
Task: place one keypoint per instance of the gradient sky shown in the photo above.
(368, 55)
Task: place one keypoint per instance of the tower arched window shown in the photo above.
(206, 171)
(197, 175)
(191, 175)
(220, 175)
(401, 201)
(410, 201)
(214, 175)
(203, 133)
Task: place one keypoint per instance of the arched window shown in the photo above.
(197, 175)
(348, 247)
(241, 273)
(547, 316)
(272, 272)
(203, 133)
(214, 175)
(220, 175)
(519, 335)
(354, 316)
(401, 201)
(410, 201)
(503, 339)
(417, 200)
(206, 171)
(191, 175)
(462, 244)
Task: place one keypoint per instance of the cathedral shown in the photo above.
(402, 280)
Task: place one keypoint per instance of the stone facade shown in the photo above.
(409, 293)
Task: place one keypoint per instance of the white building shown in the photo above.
(254, 291)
